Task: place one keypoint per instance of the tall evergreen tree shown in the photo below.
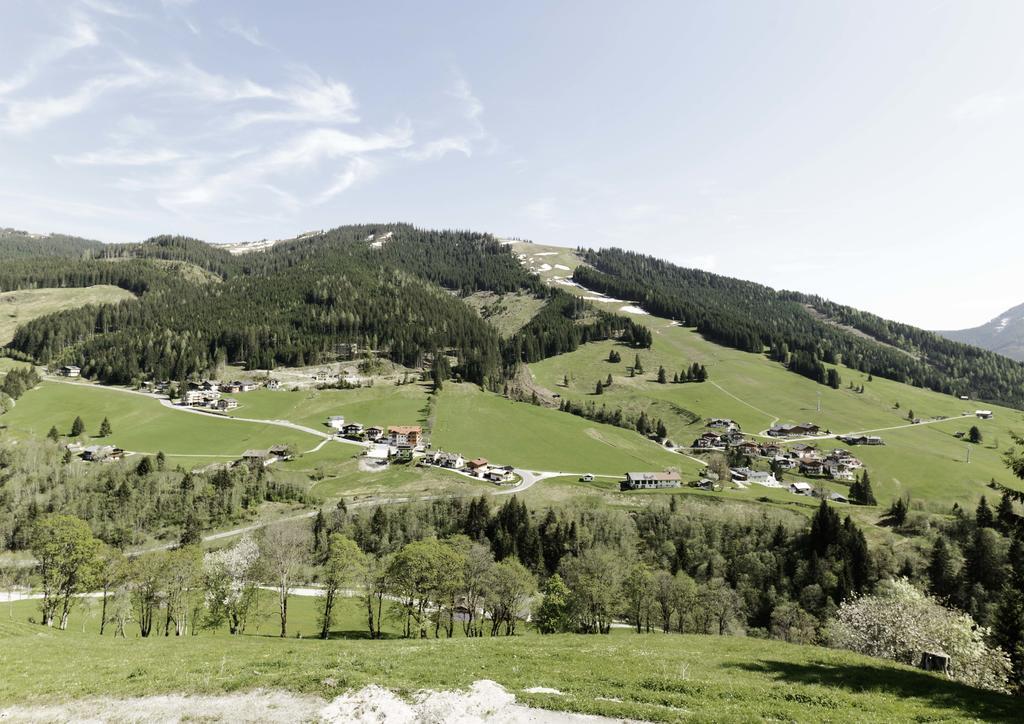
(77, 427)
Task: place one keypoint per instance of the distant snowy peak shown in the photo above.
(1003, 334)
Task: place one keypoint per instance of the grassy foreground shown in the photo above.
(653, 677)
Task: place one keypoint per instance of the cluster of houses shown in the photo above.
(209, 394)
(478, 467)
(802, 458)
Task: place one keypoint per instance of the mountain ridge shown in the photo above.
(1003, 334)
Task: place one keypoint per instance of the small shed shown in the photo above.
(935, 661)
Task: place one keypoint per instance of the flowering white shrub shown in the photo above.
(899, 622)
(231, 579)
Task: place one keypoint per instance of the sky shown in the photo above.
(869, 152)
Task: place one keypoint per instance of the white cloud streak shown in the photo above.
(248, 33)
(83, 35)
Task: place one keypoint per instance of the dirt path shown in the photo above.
(483, 701)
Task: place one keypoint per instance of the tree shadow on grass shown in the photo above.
(960, 699)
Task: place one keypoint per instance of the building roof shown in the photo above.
(405, 429)
(477, 462)
(653, 476)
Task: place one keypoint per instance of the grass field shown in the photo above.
(380, 405)
(142, 424)
(477, 423)
(27, 304)
(651, 677)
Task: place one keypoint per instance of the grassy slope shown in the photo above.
(926, 461)
(381, 405)
(652, 677)
(25, 305)
(508, 313)
(142, 424)
(481, 424)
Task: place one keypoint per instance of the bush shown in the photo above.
(900, 622)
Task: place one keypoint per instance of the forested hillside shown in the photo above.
(292, 304)
(803, 332)
(16, 244)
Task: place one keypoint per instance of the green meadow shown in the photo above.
(652, 677)
(380, 405)
(480, 424)
(142, 424)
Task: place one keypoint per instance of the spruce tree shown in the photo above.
(53, 434)
(974, 435)
(983, 514)
(77, 427)
(662, 376)
(105, 429)
(1006, 519)
(599, 388)
(638, 366)
(942, 578)
(867, 494)
(608, 382)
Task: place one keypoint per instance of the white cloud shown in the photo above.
(26, 115)
(83, 35)
(441, 147)
(109, 8)
(121, 157)
(311, 99)
(249, 33)
(980, 107)
(473, 108)
(307, 151)
(358, 169)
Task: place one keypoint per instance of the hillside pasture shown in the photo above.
(142, 424)
(25, 305)
(482, 424)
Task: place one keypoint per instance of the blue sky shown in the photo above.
(866, 151)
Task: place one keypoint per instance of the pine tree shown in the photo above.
(974, 435)
(1006, 519)
(983, 514)
(105, 429)
(638, 366)
(145, 466)
(898, 512)
(599, 388)
(662, 376)
(661, 430)
(942, 578)
(53, 434)
(675, 378)
(161, 461)
(77, 427)
(608, 382)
